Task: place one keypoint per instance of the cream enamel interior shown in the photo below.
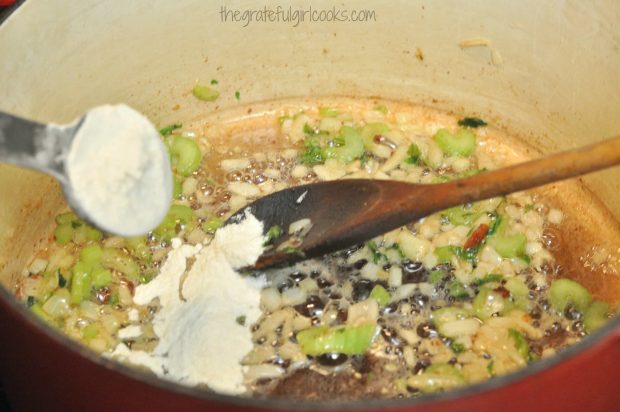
(552, 79)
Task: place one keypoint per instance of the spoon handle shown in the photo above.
(34, 145)
(526, 175)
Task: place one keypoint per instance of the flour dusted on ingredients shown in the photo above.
(119, 171)
(200, 338)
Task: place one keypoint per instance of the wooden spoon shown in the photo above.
(347, 212)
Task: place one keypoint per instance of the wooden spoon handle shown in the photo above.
(527, 175)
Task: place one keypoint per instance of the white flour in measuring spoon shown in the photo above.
(119, 171)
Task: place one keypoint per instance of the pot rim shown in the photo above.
(587, 343)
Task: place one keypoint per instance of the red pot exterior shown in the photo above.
(42, 373)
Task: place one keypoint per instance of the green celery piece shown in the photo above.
(90, 331)
(213, 224)
(66, 218)
(435, 276)
(205, 93)
(93, 234)
(381, 108)
(101, 278)
(563, 292)
(463, 143)
(487, 302)
(444, 253)
(520, 343)
(352, 149)
(91, 254)
(80, 283)
(177, 188)
(178, 214)
(595, 316)
(186, 155)
(460, 215)
(519, 292)
(439, 317)
(328, 112)
(138, 248)
(350, 340)
(370, 130)
(381, 295)
(63, 233)
(508, 246)
(436, 377)
(115, 259)
(37, 309)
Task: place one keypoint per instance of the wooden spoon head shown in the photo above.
(342, 213)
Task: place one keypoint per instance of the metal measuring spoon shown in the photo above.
(70, 153)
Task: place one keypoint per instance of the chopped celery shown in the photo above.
(444, 253)
(66, 218)
(90, 331)
(520, 343)
(115, 259)
(166, 131)
(101, 278)
(563, 292)
(473, 122)
(93, 234)
(461, 215)
(237, 95)
(177, 188)
(462, 144)
(370, 131)
(63, 233)
(37, 309)
(178, 214)
(350, 340)
(519, 292)
(328, 112)
(91, 254)
(205, 93)
(436, 276)
(213, 224)
(413, 154)
(437, 376)
(508, 246)
(186, 155)
(448, 314)
(80, 283)
(381, 295)
(138, 248)
(487, 302)
(381, 108)
(353, 147)
(595, 316)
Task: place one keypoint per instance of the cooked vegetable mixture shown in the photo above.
(458, 297)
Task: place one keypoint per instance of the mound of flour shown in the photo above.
(201, 340)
